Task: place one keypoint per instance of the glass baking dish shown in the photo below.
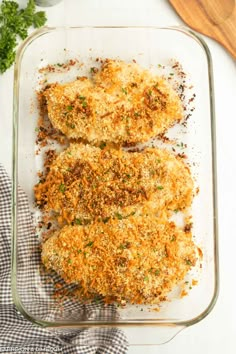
(149, 46)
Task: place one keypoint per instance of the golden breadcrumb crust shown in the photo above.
(139, 259)
(121, 103)
(88, 183)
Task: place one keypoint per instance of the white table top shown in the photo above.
(216, 333)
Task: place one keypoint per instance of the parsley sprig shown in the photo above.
(14, 24)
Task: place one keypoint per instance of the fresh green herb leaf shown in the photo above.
(124, 90)
(79, 251)
(146, 278)
(157, 272)
(39, 19)
(69, 108)
(69, 261)
(14, 24)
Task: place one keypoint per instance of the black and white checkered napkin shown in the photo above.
(17, 334)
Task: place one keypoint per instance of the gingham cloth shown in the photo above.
(17, 334)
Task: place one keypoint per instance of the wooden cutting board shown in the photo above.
(214, 18)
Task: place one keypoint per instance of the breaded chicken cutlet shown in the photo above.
(138, 260)
(121, 103)
(86, 183)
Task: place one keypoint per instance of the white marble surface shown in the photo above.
(216, 333)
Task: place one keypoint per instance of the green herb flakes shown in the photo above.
(102, 146)
(105, 220)
(188, 262)
(62, 188)
(89, 244)
(118, 216)
(160, 187)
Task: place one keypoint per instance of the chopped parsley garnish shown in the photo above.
(157, 272)
(62, 188)
(124, 90)
(69, 108)
(146, 278)
(160, 187)
(102, 146)
(105, 220)
(188, 262)
(78, 221)
(119, 216)
(89, 244)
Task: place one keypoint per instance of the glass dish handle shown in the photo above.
(113, 336)
(152, 335)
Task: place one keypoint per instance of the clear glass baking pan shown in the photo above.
(150, 47)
